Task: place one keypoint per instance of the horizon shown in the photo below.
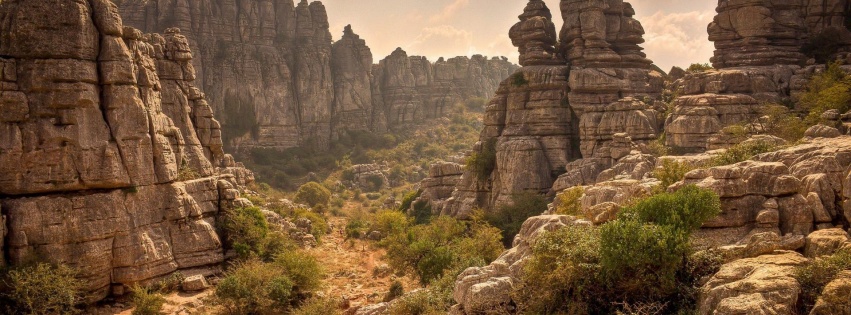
(675, 30)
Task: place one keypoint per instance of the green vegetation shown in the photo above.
(146, 301)
(569, 201)
(428, 250)
(742, 152)
(828, 90)
(518, 79)
(396, 290)
(781, 122)
(41, 289)
(642, 258)
(699, 67)
(247, 232)
(672, 171)
(255, 287)
(814, 276)
(313, 194)
(318, 306)
(186, 173)
(509, 218)
(483, 162)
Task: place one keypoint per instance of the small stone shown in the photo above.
(194, 283)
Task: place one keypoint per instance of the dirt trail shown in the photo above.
(350, 267)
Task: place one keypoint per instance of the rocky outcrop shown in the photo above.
(487, 290)
(760, 49)
(441, 181)
(834, 297)
(572, 113)
(277, 81)
(112, 160)
(761, 285)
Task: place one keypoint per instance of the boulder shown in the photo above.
(194, 283)
(825, 242)
(834, 298)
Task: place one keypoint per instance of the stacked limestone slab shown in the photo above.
(573, 111)
(100, 125)
(764, 53)
(277, 81)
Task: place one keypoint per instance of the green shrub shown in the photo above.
(509, 218)
(245, 230)
(429, 250)
(254, 287)
(374, 183)
(518, 79)
(43, 288)
(742, 152)
(356, 229)
(643, 250)
(671, 172)
(318, 306)
(421, 211)
(563, 275)
(396, 290)
(815, 275)
(828, 90)
(699, 67)
(483, 162)
(419, 303)
(390, 222)
(302, 268)
(186, 173)
(313, 194)
(319, 225)
(146, 301)
(408, 200)
(779, 121)
(569, 201)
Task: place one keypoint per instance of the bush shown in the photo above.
(43, 288)
(254, 287)
(569, 201)
(779, 121)
(699, 67)
(643, 250)
(483, 163)
(147, 302)
(742, 152)
(186, 173)
(671, 172)
(519, 79)
(563, 275)
(420, 303)
(245, 230)
(408, 200)
(429, 250)
(510, 218)
(396, 290)
(815, 275)
(302, 268)
(318, 306)
(390, 222)
(313, 194)
(828, 90)
(421, 211)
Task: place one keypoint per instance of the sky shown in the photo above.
(675, 29)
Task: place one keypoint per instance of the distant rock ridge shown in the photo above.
(111, 159)
(277, 81)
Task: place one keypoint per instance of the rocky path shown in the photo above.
(355, 270)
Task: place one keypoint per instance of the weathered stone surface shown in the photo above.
(834, 298)
(760, 285)
(822, 131)
(825, 242)
(100, 122)
(535, 36)
(194, 283)
(351, 66)
(487, 290)
(440, 183)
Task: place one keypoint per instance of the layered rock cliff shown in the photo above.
(764, 52)
(111, 159)
(277, 81)
(569, 110)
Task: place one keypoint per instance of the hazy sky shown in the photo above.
(675, 29)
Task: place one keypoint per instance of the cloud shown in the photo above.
(677, 39)
(449, 11)
(442, 40)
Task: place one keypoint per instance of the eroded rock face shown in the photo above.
(103, 129)
(535, 36)
(834, 297)
(761, 285)
(277, 81)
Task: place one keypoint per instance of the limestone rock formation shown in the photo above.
(834, 297)
(441, 181)
(760, 49)
(570, 114)
(277, 81)
(761, 285)
(112, 160)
